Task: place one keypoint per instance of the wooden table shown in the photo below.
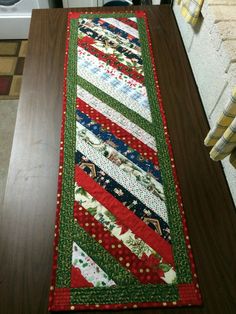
(27, 221)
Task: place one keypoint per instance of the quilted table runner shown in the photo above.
(120, 237)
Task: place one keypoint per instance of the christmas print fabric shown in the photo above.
(120, 236)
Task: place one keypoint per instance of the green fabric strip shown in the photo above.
(175, 221)
(116, 105)
(67, 197)
(125, 294)
(108, 263)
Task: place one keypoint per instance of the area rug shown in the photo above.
(121, 239)
(12, 58)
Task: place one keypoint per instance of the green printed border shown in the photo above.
(63, 273)
(70, 230)
(124, 294)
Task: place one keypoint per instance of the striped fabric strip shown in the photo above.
(132, 167)
(118, 40)
(122, 26)
(145, 213)
(113, 61)
(149, 273)
(117, 117)
(128, 136)
(118, 106)
(97, 78)
(127, 58)
(191, 10)
(106, 137)
(121, 216)
(113, 73)
(223, 135)
(145, 196)
(129, 22)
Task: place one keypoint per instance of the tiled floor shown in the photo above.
(12, 57)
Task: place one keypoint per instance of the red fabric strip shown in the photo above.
(145, 151)
(125, 216)
(145, 270)
(86, 42)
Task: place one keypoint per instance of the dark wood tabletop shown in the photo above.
(27, 219)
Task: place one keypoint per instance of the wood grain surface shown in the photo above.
(27, 219)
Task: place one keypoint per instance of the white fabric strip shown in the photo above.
(132, 185)
(96, 80)
(124, 27)
(117, 118)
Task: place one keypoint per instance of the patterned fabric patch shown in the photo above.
(120, 238)
(89, 269)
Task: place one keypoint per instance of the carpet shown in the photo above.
(12, 57)
(121, 238)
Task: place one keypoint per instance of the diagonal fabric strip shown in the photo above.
(121, 93)
(113, 103)
(117, 118)
(116, 272)
(117, 174)
(121, 238)
(125, 164)
(118, 144)
(154, 221)
(118, 249)
(125, 216)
